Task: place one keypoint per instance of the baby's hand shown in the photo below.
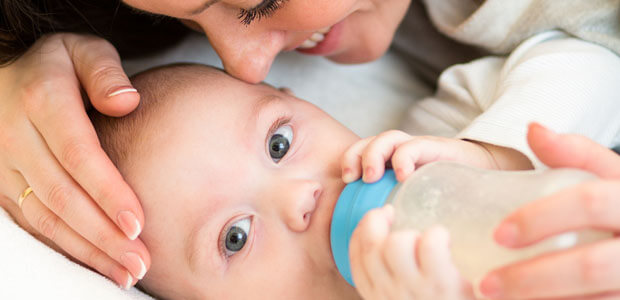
(368, 157)
(403, 264)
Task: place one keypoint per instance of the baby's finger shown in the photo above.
(352, 160)
(435, 258)
(367, 266)
(379, 151)
(401, 258)
(53, 228)
(413, 153)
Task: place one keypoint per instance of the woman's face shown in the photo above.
(248, 34)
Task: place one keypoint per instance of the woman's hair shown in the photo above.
(132, 32)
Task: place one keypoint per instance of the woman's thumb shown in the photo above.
(98, 67)
(572, 151)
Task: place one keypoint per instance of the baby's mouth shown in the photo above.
(316, 38)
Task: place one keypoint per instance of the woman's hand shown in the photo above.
(403, 265)
(80, 201)
(586, 272)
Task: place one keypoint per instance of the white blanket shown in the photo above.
(368, 98)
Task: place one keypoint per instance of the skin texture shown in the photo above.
(207, 166)
(589, 272)
(62, 73)
(247, 52)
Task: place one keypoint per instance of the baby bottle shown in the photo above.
(468, 202)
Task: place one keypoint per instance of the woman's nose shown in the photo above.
(298, 202)
(247, 53)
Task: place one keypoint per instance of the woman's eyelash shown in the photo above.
(264, 10)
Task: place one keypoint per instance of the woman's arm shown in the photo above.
(80, 201)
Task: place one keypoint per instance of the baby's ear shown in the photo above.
(286, 91)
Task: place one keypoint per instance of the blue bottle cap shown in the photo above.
(356, 199)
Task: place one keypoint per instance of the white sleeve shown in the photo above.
(566, 84)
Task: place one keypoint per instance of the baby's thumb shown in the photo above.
(98, 67)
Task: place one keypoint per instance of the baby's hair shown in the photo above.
(125, 137)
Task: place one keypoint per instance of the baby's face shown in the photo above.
(238, 189)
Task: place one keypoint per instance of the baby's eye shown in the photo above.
(236, 236)
(280, 142)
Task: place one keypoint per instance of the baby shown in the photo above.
(238, 183)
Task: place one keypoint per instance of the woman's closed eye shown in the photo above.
(235, 236)
(264, 10)
(279, 140)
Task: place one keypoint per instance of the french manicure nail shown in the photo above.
(132, 261)
(123, 278)
(129, 224)
(122, 90)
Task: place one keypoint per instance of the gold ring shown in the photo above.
(23, 196)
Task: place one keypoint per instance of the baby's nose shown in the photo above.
(300, 203)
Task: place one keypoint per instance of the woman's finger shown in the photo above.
(572, 151)
(77, 149)
(586, 270)
(379, 151)
(352, 160)
(57, 190)
(98, 67)
(53, 228)
(591, 205)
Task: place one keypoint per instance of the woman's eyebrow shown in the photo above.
(203, 7)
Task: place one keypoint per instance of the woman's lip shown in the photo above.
(329, 44)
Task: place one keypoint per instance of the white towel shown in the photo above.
(31, 270)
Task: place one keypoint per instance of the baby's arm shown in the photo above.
(566, 84)
(368, 157)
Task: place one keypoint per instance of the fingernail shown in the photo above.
(388, 209)
(122, 278)
(122, 90)
(400, 174)
(369, 172)
(491, 287)
(129, 224)
(507, 234)
(347, 175)
(134, 263)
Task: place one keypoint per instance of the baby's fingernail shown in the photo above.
(369, 172)
(507, 234)
(134, 263)
(388, 209)
(122, 278)
(129, 224)
(122, 90)
(491, 287)
(347, 175)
